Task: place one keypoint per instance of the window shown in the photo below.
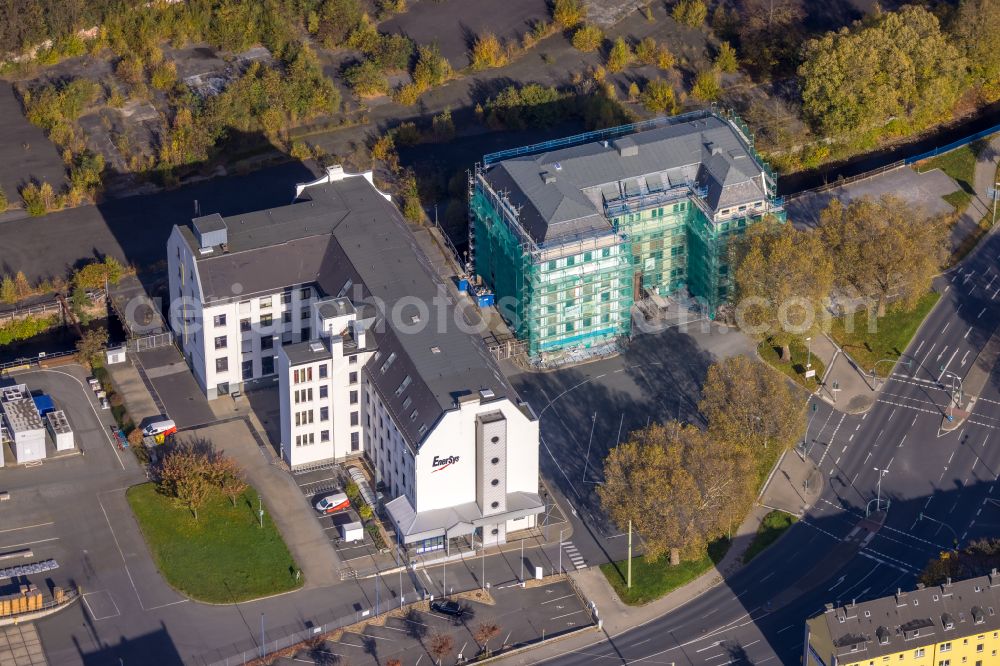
(266, 319)
(979, 647)
(324, 413)
(323, 371)
(355, 420)
(219, 320)
(304, 314)
(323, 391)
(944, 662)
(402, 386)
(305, 292)
(352, 378)
(222, 364)
(244, 325)
(267, 365)
(355, 441)
(919, 652)
(286, 317)
(286, 297)
(324, 436)
(221, 342)
(247, 370)
(306, 333)
(945, 647)
(265, 302)
(353, 360)
(354, 397)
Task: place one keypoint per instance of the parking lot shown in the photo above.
(588, 409)
(356, 555)
(407, 636)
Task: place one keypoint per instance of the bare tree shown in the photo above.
(486, 632)
(440, 646)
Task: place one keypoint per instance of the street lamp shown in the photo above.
(942, 524)
(955, 398)
(560, 550)
(878, 498)
(883, 360)
(808, 353)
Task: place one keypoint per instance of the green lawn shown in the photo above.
(653, 580)
(797, 368)
(224, 556)
(960, 164)
(773, 526)
(892, 335)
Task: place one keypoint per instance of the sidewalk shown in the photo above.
(794, 486)
(974, 383)
(845, 385)
(985, 174)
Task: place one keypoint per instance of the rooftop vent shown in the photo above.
(558, 166)
(210, 230)
(316, 347)
(626, 147)
(486, 394)
(548, 177)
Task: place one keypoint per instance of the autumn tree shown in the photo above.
(620, 56)
(485, 632)
(440, 646)
(679, 489)
(227, 476)
(691, 13)
(750, 405)
(882, 249)
(568, 13)
(658, 97)
(587, 38)
(90, 346)
(184, 477)
(725, 59)
(783, 278)
(898, 66)
(975, 28)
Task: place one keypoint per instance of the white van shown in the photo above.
(164, 427)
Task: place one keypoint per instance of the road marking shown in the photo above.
(967, 333)
(559, 617)
(29, 543)
(945, 328)
(917, 350)
(942, 353)
(26, 527)
(981, 313)
(557, 599)
(791, 626)
(715, 644)
(952, 358)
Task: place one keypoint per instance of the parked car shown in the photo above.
(449, 607)
(163, 427)
(333, 503)
(93, 382)
(105, 404)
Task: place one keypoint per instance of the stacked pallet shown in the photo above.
(28, 599)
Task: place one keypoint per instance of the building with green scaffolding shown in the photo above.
(571, 233)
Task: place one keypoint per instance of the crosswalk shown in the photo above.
(574, 555)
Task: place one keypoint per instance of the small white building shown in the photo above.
(59, 428)
(27, 432)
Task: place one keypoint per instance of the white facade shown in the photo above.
(24, 424)
(59, 428)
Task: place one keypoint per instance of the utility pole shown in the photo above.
(522, 560)
(878, 496)
(482, 542)
(262, 639)
(808, 353)
(629, 582)
(560, 550)
(260, 511)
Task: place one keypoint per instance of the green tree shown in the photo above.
(706, 85)
(366, 79)
(587, 38)
(783, 278)
(898, 65)
(658, 97)
(164, 76)
(748, 404)
(8, 291)
(975, 28)
(568, 13)
(336, 19)
(725, 59)
(432, 68)
(691, 13)
(770, 33)
(620, 56)
(3, 200)
(679, 489)
(883, 249)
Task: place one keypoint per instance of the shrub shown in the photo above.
(365, 511)
(27, 327)
(164, 76)
(690, 12)
(706, 86)
(392, 53)
(383, 148)
(620, 56)
(646, 51)
(725, 60)
(487, 52)
(407, 94)
(568, 13)
(366, 79)
(411, 198)
(300, 150)
(38, 200)
(387, 8)
(3, 200)
(135, 437)
(659, 97)
(443, 126)
(131, 70)
(633, 91)
(407, 134)
(588, 38)
(528, 106)
(85, 172)
(664, 58)
(432, 68)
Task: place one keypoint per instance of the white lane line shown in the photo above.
(967, 333)
(27, 527)
(945, 328)
(981, 313)
(29, 543)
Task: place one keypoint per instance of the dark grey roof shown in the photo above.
(872, 629)
(335, 307)
(560, 192)
(347, 231)
(213, 222)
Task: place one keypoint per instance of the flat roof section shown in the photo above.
(22, 416)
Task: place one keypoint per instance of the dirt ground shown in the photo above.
(25, 152)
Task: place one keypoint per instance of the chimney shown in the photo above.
(359, 333)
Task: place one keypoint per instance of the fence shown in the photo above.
(43, 308)
(152, 341)
(32, 361)
(954, 144)
(846, 181)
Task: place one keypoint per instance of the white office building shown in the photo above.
(331, 298)
(26, 432)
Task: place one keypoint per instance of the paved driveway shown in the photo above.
(176, 387)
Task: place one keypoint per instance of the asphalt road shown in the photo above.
(757, 615)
